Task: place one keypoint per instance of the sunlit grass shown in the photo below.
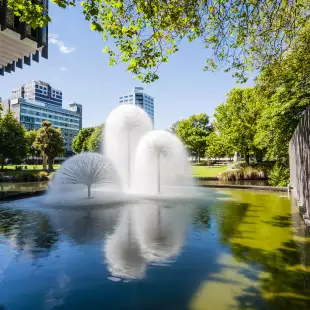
(207, 171)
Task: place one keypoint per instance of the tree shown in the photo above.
(242, 34)
(173, 128)
(236, 120)
(94, 141)
(80, 142)
(216, 148)
(31, 136)
(50, 142)
(12, 139)
(193, 132)
(284, 89)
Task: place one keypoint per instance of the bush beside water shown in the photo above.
(243, 172)
(26, 177)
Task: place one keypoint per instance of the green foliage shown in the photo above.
(174, 127)
(236, 120)
(13, 144)
(216, 148)
(193, 132)
(94, 141)
(284, 93)
(50, 142)
(80, 142)
(279, 175)
(31, 136)
(143, 34)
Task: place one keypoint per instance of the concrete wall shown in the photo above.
(300, 163)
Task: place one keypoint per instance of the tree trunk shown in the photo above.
(50, 164)
(198, 156)
(259, 156)
(44, 162)
(247, 157)
(2, 165)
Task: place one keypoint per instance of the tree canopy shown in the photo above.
(216, 147)
(236, 120)
(193, 132)
(80, 142)
(242, 34)
(31, 136)
(50, 142)
(13, 144)
(95, 139)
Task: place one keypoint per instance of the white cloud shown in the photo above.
(52, 38)
(63, 69)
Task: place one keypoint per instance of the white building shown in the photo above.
(141, 99)
(39, 91)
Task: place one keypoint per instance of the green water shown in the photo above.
(236, 249)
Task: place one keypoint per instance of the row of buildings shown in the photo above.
(36, 101)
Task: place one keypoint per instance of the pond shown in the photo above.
(235, 249)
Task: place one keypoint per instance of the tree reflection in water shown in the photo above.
(28, 232)
(262, 233)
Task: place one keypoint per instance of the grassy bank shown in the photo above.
(29, 167)
(207, 171)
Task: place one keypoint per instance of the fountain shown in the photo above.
(141, 165)
(161, 164)
(137, 161)
(81, 172)
(124, 128)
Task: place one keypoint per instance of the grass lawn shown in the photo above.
(29, 167)
(207, 171)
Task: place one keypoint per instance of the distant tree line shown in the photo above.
(16, 143)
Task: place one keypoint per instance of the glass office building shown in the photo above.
(141, 99)
(39, 91)
(32, 113)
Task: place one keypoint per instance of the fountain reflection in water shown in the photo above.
(146, 232)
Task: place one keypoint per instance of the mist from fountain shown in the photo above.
(161, 164)
(124, 128)
(136, 160)
(81, 173)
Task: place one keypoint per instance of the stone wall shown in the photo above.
(300, 164)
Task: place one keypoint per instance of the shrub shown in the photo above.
(244, 173)
(230, 175)
(42, 176)
(18, 168)
(279, 175)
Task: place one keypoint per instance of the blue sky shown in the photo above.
(78, 66)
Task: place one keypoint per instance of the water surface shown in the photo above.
(233, 250)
